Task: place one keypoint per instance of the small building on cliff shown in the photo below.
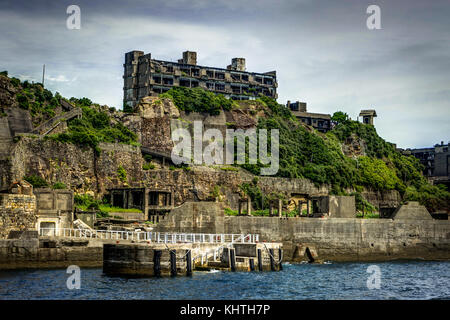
(319, 121)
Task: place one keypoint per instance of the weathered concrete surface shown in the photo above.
(342, 207)
(49, 253)
(343, 239)
(411, 211)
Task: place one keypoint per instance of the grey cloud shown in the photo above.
(322, 51)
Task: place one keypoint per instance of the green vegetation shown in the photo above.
(197, 100)
(36, 181)
(122, 174)
(318, 157)
(59, 185)
(340, 117)
(33, 97)
(228, 168)
(362, 205)
(86, 202)
(94, 127)
(126, 108)
(148, 166)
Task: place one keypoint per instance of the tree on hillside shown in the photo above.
(339, 117)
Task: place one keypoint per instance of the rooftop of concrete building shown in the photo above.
(190, 59)
(299, 109)
(369, 112)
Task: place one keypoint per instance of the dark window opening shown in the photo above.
(196, 72)
(185, 83)
(157, 79)
(168, 81)
(118, 200)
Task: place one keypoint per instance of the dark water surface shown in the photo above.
(399, 280)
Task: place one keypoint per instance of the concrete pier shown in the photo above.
(143, 259)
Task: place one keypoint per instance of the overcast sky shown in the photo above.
(323, 52)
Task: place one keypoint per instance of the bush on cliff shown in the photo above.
(94, 127)
(197, 100)
(36, 181)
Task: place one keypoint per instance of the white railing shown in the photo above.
(215, 252)
(157, 237)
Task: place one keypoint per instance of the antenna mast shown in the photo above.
(43, 74)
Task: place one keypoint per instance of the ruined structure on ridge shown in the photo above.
(144, 76)
(319, 121)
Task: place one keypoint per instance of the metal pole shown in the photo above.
(43, 74)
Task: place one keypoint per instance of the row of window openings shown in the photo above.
(209, 85)
(319, 123)
(219, 75)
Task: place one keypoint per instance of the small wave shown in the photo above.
(213, 271)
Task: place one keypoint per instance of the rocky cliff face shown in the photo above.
(84, 171)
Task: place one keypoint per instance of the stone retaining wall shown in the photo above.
(17, 212)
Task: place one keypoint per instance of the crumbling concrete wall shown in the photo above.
(17, 212)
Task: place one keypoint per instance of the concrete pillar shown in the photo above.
(270, 209)
(124, 199)
(249, 206)
(280, 208)
(130, 199)
(307, 207)
(145, 208)
(239, 207)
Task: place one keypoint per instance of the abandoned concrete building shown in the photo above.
(436, 161)
(319, 121)
(54, 209)
(367, 116)
(154, 203)
(144, 76)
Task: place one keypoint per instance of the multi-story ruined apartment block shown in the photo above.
(436, 162)
(144, 76)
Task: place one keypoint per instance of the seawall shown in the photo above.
(28, 253)
(336, 239)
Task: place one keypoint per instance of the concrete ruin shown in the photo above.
(412, 210)
(319, 121)
(154, 203)
(54, 209)
(144, 76)
(367, 116)
(334, 206)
